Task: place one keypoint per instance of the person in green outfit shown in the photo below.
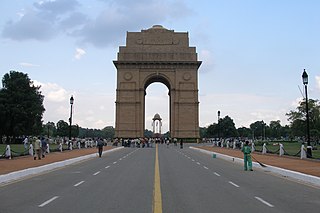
(246, 149)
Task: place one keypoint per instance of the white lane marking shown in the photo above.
(96, 173)
(205, 167)
(189, 158)
(198, 163)
(193, 160)
(120, 159)
(217, 174)
(107, 167)
(264, 202)
(232, 183)
(115, 162)
(77, 184)
(48, 201)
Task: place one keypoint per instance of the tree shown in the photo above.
(212, 131)
(21, 106)
(203, 132)
(258, 129)
(108, 132)
(298, 119)
(62, 128)
(49, 129)
(227, 127)
(244, 132)
(148, 133)
(275, 129)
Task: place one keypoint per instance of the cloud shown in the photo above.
(47, 19)
(79, 53)
(30, 26)
(25, 64)
(318, 82)
(57, 6)
(121, 16)
(42, 22)
(52, 92)
(73, 21)
(207, 61)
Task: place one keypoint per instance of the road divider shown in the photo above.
(157, 200)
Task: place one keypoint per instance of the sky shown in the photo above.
(253, 53)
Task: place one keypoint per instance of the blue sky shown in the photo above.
(253, 53)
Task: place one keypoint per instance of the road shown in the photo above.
(124, 181)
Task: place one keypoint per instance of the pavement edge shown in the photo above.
(13, 176)
(284, 172)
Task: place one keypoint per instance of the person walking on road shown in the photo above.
(246, 149)
(181, 144)
(100, 146)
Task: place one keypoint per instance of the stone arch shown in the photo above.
(157, 55)
(156, 77)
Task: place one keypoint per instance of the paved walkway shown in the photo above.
(306, 166)
(25, 162)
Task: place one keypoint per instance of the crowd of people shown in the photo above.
(39, 146)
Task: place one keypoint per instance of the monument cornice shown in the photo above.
(157, 64)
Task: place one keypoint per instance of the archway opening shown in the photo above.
(157, 101)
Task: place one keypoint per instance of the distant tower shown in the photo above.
(156, 125)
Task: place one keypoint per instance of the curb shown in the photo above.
(13, 176)
(284, 172)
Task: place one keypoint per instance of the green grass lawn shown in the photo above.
(18, 149)
(292, 148)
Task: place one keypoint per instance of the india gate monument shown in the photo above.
(157, 55)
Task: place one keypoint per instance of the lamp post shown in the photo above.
(70, 119)
(219, 124)
(263, 136)
(305, 82)
(48, 130)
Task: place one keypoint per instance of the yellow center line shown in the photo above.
(157, 200)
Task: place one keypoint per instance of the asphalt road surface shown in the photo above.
(126, 181)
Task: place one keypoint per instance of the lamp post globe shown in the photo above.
(304, 77)
(305, 82)
(71, 100)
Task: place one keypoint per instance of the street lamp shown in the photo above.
(305, 82)
(219, 124)
(70, 119)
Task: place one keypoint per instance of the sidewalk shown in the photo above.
(25, 162)
(306, 166)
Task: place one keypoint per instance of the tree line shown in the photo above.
(225, 127)
(62, 129)
(21, 112)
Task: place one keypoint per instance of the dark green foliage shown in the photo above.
(21, 106)
(297, 119)
(62, 128)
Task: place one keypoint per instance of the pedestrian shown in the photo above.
(43, 147)
(25, 143)
(181, 144)
(246, 149)
(37, 148)
(100, 146)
